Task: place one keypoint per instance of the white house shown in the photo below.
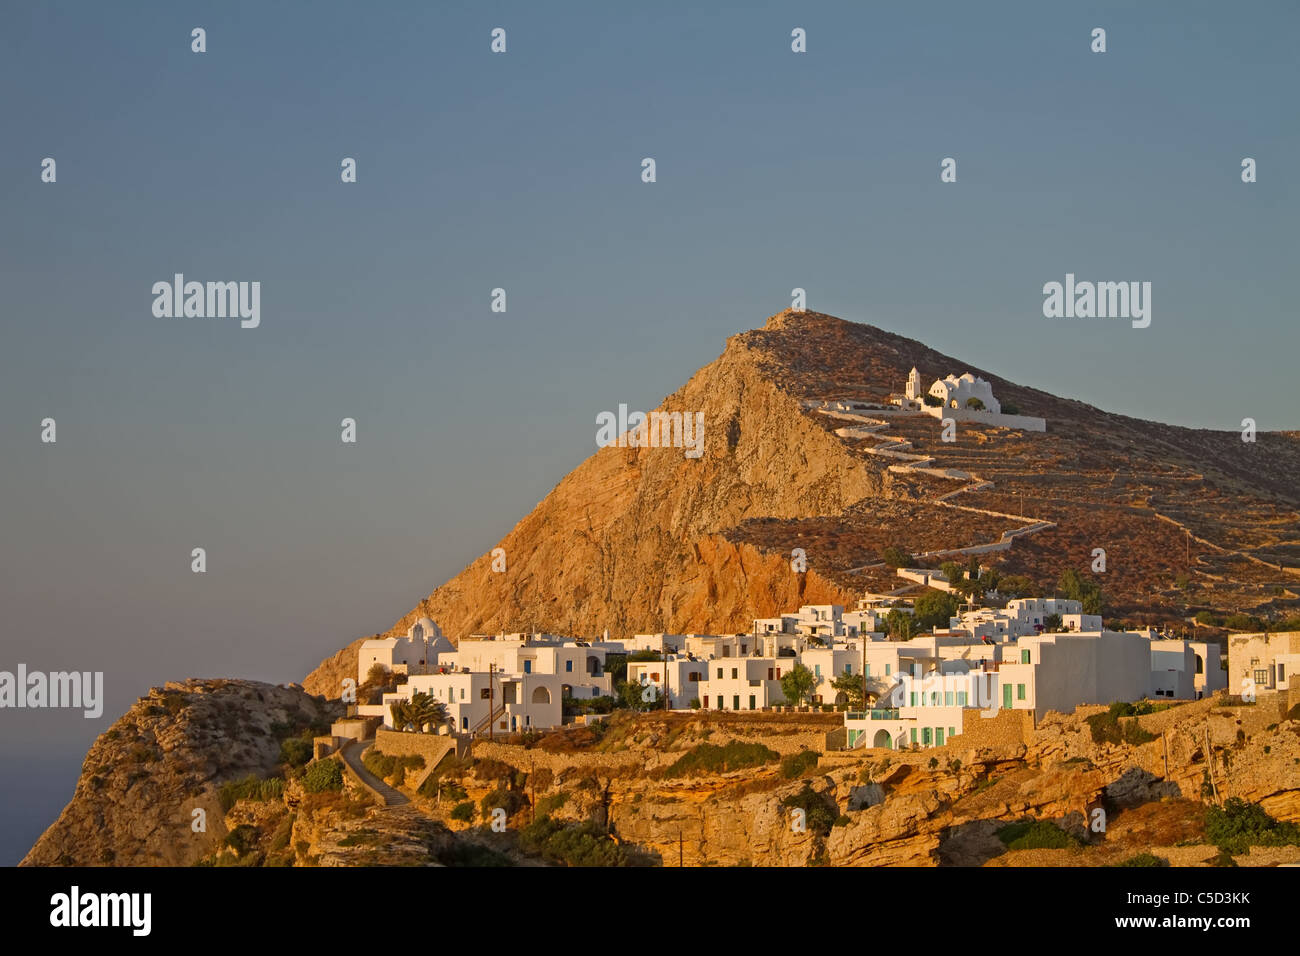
(744, 683)
(579, 665)
(683, 675)
(517, 701)
(1263, 663)
(421, 650)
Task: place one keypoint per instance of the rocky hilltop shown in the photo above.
(166, 757)
(645, 539)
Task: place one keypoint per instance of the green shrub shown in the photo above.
(1237, 826)
(463, 812)
(548, 805)
(242, 839)
(1107, 728)
(385, 766)
(820, 810)
(323, 775)
(1143, 859)
(512, 801)
(296, 751)
(1035, 835)
(710, 758)
(250, 788)
(472, 854)
(583, 844)
(796, 765)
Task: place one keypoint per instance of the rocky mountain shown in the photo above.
(646, 539)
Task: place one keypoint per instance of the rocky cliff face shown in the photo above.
(165, 758)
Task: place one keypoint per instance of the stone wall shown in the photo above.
(1007, 729)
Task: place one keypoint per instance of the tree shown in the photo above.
(1018, 585)
(900, 625)
(798, 684)
(975, 403)
(421, 710)
(896, 557)
(853, 686)
(952, 571)
(427, 710)
(635, 695)
(934, 608)
(1077, 588)
(932, 400)
(379, 680)
(1053, 623)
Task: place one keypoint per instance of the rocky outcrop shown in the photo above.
(165, 758)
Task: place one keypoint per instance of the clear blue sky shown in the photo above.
(522, 170)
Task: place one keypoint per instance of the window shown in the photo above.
(1261, 676)
(464, 723)
(1281, 670)
(817, 669)
(654, 677)
(934, 698)
(744, 649)
(961, 698)
(769, 673)
(938, 736)
(913, 699)
(926, 737)
(595, 692)
(778, 673)
(568, 666)
(866, 669)
(484, 693)
(706, 702)
(913, 735)
(733, 673)
(694, 676)
(952, 731)
(719, 673)
(462, 693)
(751, 702)
(1020, 692)
(947, 698)
(888, 668)
(528, 667)
(1024, 657)
(848, 668)
(735, 702)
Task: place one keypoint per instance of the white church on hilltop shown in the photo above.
(964, 397)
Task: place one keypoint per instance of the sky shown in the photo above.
(523, 171)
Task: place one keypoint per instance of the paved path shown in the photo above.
(351, 754)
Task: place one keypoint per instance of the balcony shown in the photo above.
(876, 713)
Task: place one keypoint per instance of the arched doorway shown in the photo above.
(541, 695)
(883, 740)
